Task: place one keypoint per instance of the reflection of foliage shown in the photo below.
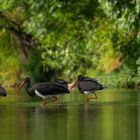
(72, 37)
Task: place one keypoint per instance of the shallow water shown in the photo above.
(113, 116)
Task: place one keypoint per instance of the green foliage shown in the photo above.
(79, 37)
(34, 67)
(124, 78)
(8, 58)
(125, 37)
(138, 67)
(64, 32)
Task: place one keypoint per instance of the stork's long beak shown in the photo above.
(72, 85)
(21, 85)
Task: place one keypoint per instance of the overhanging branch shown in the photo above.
(26, 40)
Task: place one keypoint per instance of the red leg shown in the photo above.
(45, 102)
(88, 98)
(61, 98)
(95, 96)
(86, 105)
(55, 98)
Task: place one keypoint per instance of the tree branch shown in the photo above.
(26, 40)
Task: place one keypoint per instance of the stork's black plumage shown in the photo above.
(87, 85)
(49, 89)
(3, 92)
(45, 89)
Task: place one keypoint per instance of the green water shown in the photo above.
(115, 115)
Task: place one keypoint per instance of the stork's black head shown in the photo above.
(26, 80)
(100, 87)
(79, 77)
(3, 92)
(73, 85)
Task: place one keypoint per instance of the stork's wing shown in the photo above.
(61, 81)
(90, 79)
(49, 89)
(61, 85)
(88, 84)
(2, 91)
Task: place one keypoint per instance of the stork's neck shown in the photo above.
(27, 88)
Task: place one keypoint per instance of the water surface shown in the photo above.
(113, 116)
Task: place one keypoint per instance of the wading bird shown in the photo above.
(3, 92)
(87, 85)
(46, 89)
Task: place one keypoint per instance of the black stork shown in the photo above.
(3, 92)
(46, 89)
(87, 85)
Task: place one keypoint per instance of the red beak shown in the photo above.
(21, 85)
(73, 85)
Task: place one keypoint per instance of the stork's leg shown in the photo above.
(45, 101)
(95, 96)
(58, 98)
(88, 98)
(55, 98)
(61, 98)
